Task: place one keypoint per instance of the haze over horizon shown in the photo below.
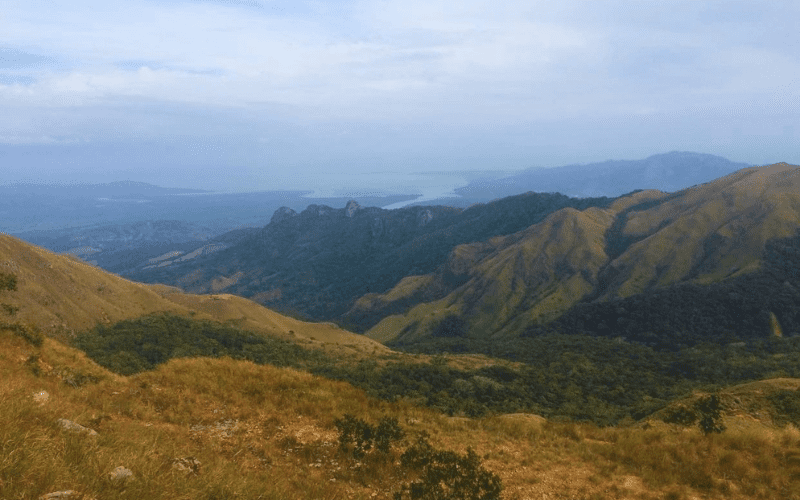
(246, 95)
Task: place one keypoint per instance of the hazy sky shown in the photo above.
(257, 94)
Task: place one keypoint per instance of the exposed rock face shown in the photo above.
(424, 217)
(351, 208)
(69, 425)
(282, 214)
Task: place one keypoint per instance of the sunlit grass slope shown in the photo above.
(217, 428)
(63, 296)
(643, 241)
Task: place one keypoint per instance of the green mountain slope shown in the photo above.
(641, 242)
(319, 262)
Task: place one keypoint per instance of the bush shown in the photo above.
(31, 334)
(8, 281)
(9, 309)
(710, 415)
(681, 415)
(447, 475)
(141, 344)
(787, 406)
(358, 437)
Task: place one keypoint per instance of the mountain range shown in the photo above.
(666, 172)
(641, 242)
(496, 269)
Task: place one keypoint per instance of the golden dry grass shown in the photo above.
(61, 295)
(264, 432)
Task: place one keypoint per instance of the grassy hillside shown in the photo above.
(62, 296)
(183, 425)
(318, 262)
(641, 243)
(218, 428)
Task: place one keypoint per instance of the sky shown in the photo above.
(244, 95)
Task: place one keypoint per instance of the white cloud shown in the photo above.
(441, 64)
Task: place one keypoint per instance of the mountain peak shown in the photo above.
(351, 208)
(282, 214)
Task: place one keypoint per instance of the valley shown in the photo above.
(574, 345)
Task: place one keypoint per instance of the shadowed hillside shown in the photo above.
(319, 261)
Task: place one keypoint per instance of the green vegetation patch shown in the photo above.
(141, 344)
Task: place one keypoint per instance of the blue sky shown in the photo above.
(257, 94)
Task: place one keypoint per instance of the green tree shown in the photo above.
(710, 415)
(447, 475)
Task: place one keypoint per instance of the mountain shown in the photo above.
(667, 172)
(112, 190)
(207, 422)
(642, 242)
(319, 261)
(62, 296)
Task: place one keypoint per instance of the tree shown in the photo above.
(710, 415)
(447, 475)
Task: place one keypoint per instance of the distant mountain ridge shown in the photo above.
(666, 172)
(319, 261)
(499, 268)
(117, 189)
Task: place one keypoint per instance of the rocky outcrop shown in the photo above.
(69, 425)
(320, 261)
(351, 208)
(187, 465)
(282, 214)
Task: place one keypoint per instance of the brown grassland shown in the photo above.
(266, 432)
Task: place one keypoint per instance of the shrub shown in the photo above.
(446, 475)
(8, 281)
(31, 334)
(9, 309)
(680, 415)
(451, 326)
(710, 415)
(358, 437)
(787, 406)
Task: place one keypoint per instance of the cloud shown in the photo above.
(147, 67)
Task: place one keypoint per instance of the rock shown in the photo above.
(351, 208)
(282, 214)
(69, 425)
(120, 474)
(65, 495)
(189, 465)
(41, 397)
(61, 495)
(424, 217)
